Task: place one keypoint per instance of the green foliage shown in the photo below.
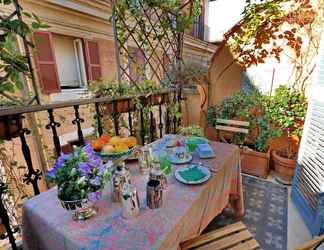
(287, 109)
(78, 174)
(266, 27)
(12, 62)
(114, 89)
(250, 107)
(190, 73)
(194, 130)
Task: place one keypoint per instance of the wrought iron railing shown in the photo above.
(13, 120)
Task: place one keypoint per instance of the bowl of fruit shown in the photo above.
(114, 147)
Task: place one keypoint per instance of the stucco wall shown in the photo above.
(223, 82)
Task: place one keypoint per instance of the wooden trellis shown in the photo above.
(148, 42)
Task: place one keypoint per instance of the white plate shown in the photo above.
(203, 169)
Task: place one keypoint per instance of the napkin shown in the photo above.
(192, 174)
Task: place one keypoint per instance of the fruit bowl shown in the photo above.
(115, 155)
(114, 147)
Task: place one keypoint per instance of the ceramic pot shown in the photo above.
(284, 168)
(255, 163)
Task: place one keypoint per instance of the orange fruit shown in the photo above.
(98, 145)
(105, 138)
(121, 147)
(130, 141)
(115, 140)
(108, 148)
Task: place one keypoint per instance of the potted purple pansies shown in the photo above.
(80, 178)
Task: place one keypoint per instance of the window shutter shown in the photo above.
(46, 63)
(308, 184)
(92, 59)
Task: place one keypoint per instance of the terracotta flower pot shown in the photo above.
(13, 130)
(122, 107)
(2, 229)
(156, 99)
(284, 167)
(255, 163)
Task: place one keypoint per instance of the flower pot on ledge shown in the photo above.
(122, 107)
(13, 129)
(284, 168)
(254, 162)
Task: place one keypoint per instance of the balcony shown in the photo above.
(195, 149)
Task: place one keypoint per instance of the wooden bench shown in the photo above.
(232, 126)
(312, 244)
(232, 237)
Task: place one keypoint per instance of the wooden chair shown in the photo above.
(232, 126)
(232, 237)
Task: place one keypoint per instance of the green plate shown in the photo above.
(197, 140)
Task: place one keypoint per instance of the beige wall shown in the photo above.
(223, 82)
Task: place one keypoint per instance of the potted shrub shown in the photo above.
(248, 106)
(194, 130)
(287, 109)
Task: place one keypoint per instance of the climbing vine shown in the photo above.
(149, 33)
(268, 28)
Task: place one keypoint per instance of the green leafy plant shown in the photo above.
(12, 62)
(145, 88)
(79, 175)
(114, 89)
(194, 130)
(287, 109)
(246, 106)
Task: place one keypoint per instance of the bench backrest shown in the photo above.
(232, 126)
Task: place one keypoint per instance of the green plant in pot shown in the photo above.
(80, 178)
(287, 109)
(247, 107)
(194, 130)
(141, 96)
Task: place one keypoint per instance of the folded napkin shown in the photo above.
(192, 174)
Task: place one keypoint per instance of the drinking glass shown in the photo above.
(191, 144)
(165, 163)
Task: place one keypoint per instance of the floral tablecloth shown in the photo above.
(186, 211)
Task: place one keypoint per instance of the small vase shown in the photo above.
(80, 209)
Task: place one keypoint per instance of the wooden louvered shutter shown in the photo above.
(92, 60)
(308, 185)
(46, 62)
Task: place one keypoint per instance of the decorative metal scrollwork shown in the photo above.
(53, 125)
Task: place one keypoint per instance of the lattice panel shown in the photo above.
(147, 47)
